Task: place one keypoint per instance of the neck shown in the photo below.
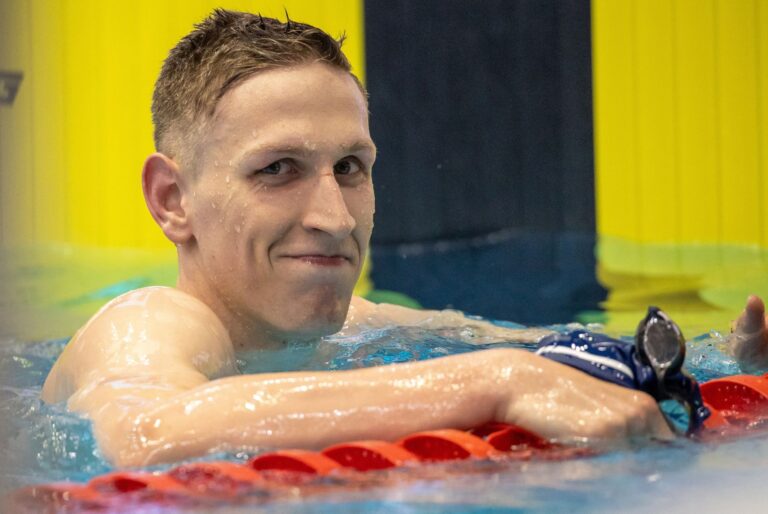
(247, 330)
(244, 332)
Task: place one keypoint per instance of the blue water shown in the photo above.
(42, 443)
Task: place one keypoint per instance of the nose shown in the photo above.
(326, 209)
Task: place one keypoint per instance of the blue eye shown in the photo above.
(276, 168)
(347, 167)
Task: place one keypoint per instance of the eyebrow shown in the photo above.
(304, 150)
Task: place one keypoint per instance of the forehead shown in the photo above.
(311, 99)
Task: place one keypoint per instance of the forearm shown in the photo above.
(313, 411)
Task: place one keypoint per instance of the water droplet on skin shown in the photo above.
(237, 228)
(226, 179)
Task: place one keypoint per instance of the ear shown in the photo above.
(160, 181)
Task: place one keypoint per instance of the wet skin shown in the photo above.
(749, 339)
(280, 205)
(272, 221)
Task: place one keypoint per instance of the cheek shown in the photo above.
(361, 204)
(265, 218)
(207, 200)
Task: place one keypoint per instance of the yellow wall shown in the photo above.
(681, 120)
(681, 149)
(73, 143)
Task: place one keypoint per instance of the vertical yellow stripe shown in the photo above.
(699, 200)
(656, 131)
(615, 123)
(680, 120)
(49, 185)
(737, 81)
(761, 64)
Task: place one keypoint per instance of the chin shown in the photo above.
(320, 313)
(316, 323)
(328, 324)
(311, 331)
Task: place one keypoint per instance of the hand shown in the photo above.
(748, 341)
(569, 406)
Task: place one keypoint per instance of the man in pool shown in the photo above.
(262, 180)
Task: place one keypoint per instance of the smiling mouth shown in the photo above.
(322, 260)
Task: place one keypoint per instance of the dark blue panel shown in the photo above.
(482, 112)
(531, 278)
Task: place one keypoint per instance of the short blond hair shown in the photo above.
(224, 50)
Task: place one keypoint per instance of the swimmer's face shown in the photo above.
(281, 205)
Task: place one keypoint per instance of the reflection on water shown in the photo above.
(536, 278)
(702, 286)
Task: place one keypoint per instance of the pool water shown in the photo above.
(42, 443)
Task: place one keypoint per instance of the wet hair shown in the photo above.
(224, 50)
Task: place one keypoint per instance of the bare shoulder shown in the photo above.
(367, 313)
(143, 332)
(364, 313)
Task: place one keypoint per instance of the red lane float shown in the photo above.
(446, 444)
(505, 437)
(225, 479)
(738, 403)
(275, 474)
(297, 461)
(127, 482)
(738, 400)
(369, 455)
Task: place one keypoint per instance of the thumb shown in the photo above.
(752, 320)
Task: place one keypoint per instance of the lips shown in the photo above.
(321, 260)
(320, 257)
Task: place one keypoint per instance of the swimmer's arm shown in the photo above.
(145, 370)
(368, 314)
(140, 334)
(314, 410)
(749, 340)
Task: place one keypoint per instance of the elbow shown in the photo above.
(128, 441)
(145, 439)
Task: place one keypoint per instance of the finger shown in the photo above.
(756, 306)
(752, 320)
